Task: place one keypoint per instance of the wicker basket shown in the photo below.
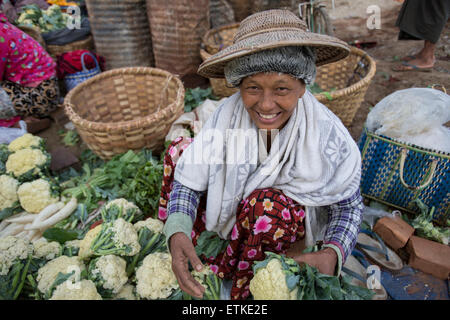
(121, 32)
(84, 44)
(242, 8)
(217, 39)
(177, 27)
(221, 13)
(125, 109)
(350, 77)
(35, 34)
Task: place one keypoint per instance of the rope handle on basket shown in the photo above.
(93, 57)
(443, 88)
(402, 166)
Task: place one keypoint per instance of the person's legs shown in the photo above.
(425, 57)
(267, 220)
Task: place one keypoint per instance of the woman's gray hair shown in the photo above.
(296, 61)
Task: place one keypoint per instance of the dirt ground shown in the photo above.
(350, 21)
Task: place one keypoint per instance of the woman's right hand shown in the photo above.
(183, 251)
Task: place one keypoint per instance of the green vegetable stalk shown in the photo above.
(150, 242)
(12, 283)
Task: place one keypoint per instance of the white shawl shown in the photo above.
(313, 160)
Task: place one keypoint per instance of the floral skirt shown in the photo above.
(267, 220)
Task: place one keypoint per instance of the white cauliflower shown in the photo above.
(121, 202)
(154, 225)
(81, 290)
(126, 293)
(36, 195)
(24, 160)
(85, 245)
(270, 281)
(155, 278)
(44, 249)
(11, 249)
(8, 191)
(47, 274)
(116, 237)
(209, 280)
(121, 208)
(26, 141)
(109, 274)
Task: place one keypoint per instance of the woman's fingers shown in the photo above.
(183, 251)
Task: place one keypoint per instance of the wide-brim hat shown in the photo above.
(271, 29)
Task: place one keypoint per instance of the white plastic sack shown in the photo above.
(415, 116)
(9, 134)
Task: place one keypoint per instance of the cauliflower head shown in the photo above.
(125, 235)
(46, 250)
(116, 237)
(121, 208)
(85, 245)
(269, 283)
(47, 274)
(126, 293)
(8, 191)
(109, 273)
(36, 195)
(24, 142)
(81, 290)
(25, 160)
(155, 278)
(12, 249)
(152, 224)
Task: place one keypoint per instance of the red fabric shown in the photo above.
(70, 62)
(267, 220)
(9, 122)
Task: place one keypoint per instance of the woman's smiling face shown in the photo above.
(270, 98)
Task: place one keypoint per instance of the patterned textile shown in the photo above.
(313, 160)
(28, 101)
(22, 59)
(267, 220)
(344, 220)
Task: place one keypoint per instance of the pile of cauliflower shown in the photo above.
(24, 183)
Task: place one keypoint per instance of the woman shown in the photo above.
(28, 84)
(421, 20)
(266, 160)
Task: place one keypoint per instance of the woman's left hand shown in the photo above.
(324, 260)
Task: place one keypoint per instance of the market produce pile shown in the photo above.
(94, 235)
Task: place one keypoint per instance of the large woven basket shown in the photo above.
(242, 8)
(177, 27)
(121, 32)
(84, 44)
(125, 109)
(346, 81)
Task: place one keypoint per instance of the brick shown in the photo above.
(429, 257)
(395, 232)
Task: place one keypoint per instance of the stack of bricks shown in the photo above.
(427, 256)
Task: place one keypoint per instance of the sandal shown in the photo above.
(405, 66)
(373, 246)
(356, 267)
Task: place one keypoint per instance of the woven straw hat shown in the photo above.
(271, 29)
